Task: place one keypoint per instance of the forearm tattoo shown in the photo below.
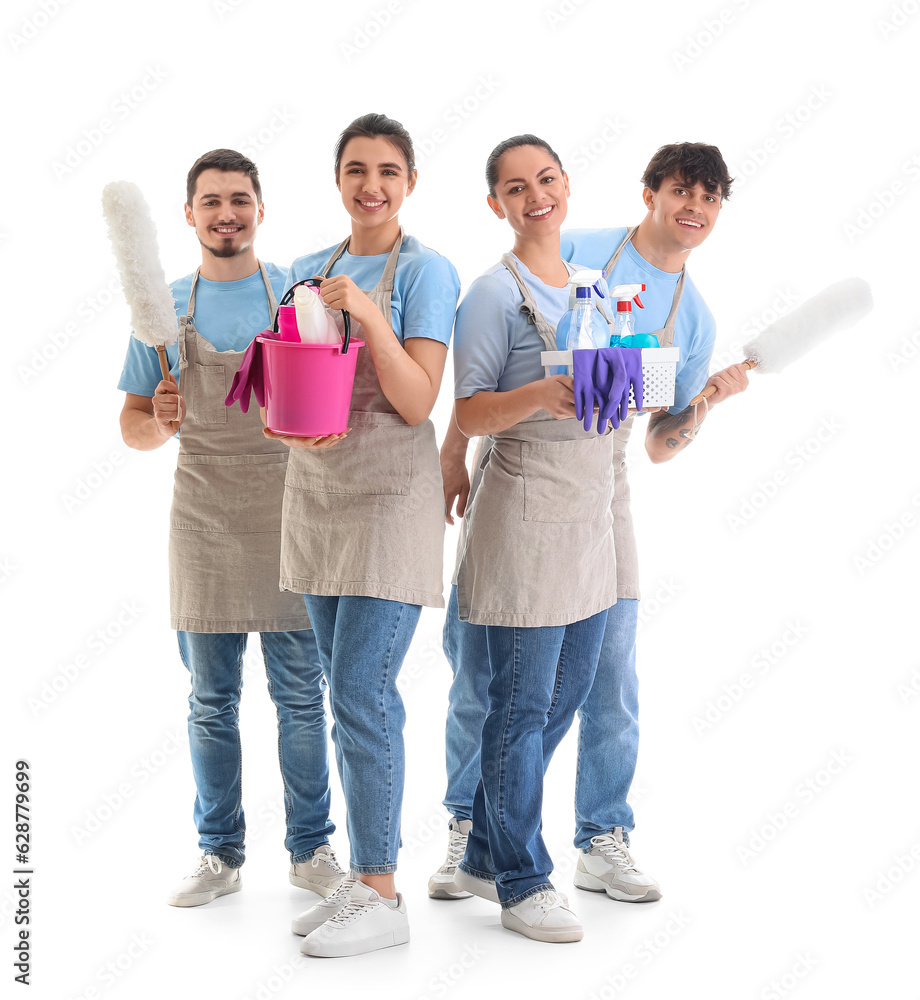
(671, 422)
(685, 424)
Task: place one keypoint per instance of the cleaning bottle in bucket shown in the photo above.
(314, 324)
(624, 330)
(582, 326)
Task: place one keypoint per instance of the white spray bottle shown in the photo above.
(623, 321)
(582, 326)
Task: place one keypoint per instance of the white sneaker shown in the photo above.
(544, 916)
(365, 923)
(441, 884)
(320, 874)
(608, 867)
(476, 886)
(307, 922)
(211, 879)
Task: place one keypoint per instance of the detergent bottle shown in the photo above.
(582, 326)
(624, 330)
(314, 323)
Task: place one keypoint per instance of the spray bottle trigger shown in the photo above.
(638, 303)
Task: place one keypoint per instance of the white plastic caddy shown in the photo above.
(659, 373)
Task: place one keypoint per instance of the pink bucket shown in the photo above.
(308, 386)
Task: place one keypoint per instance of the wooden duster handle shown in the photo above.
(709, 390)
(164, 364)
(164, 371)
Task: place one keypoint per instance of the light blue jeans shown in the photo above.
(540, 677)
(295, 683)
(608, 737)
(362, 643)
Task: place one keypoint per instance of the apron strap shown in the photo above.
(611, 264)
(668, 339)
(530, 304)
(186, 321)
(389, 269)
(547, 331)
(529, 308)
(190, 308)
(675, 304)
(270, 292)
(339, 250)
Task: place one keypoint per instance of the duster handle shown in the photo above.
(164, 364)
(164, 371)
(710, 389)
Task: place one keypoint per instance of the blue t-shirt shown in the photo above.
(695, 330)
(496, 348)
(228, 314)
(425, 289)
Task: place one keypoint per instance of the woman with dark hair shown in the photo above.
(536, 561)
(363, 517)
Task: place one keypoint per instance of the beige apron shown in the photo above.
(627, 556)
(225, 523)
(536, 547)
(366, 517)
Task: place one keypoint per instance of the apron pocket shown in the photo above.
(376, 459)
(566, 481)
(241, 494)
(208, 402)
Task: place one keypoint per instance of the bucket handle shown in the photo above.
(313, 283)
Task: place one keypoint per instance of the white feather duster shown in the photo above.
(134, 241)
(837, 307)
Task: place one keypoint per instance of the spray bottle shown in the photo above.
(623, 322)
(582, 326)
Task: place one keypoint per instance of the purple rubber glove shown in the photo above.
(633, 358)
(613, 382)
(586, 393)
(249, 380)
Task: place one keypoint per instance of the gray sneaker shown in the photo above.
(608, 867)
(320, 874)
(211, 879)
(365, 923)
(544, 916)
(307, 922)
(441, 884)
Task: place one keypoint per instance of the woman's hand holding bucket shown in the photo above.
(306, 442)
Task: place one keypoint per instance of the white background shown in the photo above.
(824, 192)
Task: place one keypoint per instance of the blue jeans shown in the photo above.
(362, 643)
(295, 683)
(540, 677)
(608, 740)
